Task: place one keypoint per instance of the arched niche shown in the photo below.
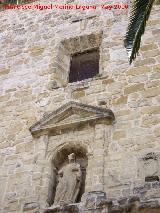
(59, 160)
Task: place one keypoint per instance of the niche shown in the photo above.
(59, 161)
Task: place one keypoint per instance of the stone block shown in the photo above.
(157, 131)
(20, 148)
(152, 92)
(4, 71)
(151, 110)
(151, 53)
(31, 206)
(158, 58)
(5, 97)
(155, 75)
(119, 134)
(13, 53)
(138, 79)
(149, 47)
(153, 22)
(134, 88)
(153, 83)
(143, 62)
(22, 93)
(149, 121)
(138, 70)
(36, 51)
(121, 100)
(123, 112)
(78, 94)
(94, 200)
(156, 68)
(156, 32)
(108, 81)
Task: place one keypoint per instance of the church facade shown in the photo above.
(80, 127)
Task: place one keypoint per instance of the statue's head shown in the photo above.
(71, 157)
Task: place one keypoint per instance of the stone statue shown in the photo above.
(69, 182)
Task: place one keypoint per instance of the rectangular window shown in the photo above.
(84, 65)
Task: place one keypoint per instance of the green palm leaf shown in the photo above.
(140, 11)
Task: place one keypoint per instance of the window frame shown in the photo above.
(92, 50)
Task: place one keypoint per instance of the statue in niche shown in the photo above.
(69, 182)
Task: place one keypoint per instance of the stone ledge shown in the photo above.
(123, 205)
(72, 208)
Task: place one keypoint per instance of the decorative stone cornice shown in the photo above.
(123, 205)
(71, 116)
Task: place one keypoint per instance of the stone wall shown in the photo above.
(33, 52)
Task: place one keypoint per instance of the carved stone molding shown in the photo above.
(97, 202)
(71, 116)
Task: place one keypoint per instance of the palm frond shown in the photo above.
(140, 12)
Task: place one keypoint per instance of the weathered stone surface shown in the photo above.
(145, 62)
(78, 94)
(138, 70)
(151, 92)
(118, 135)
(108, 81)
(151, 110)
(31, 206)
(157, 131)
(149, 47)
(103, 205)
(120, 100)
(36, 51)
(156, 68)
(151, 53)
(4, 71)
(134, 88)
